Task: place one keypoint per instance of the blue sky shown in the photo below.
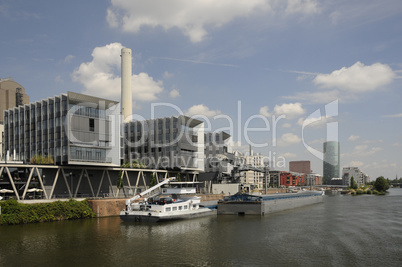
(243, 61)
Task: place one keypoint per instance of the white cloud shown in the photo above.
(58, 79)
(167, 75)
(353, 138)
(68, 58)
(316, 97)
(315, 122)
(365, 150)
(201, 110)
(291, 110)
(393, 116)
(288, 139)
(357, 78)
(356, 164)
(174, 93)
(289, 155)
(195, 17)
(300, 6)
(286, 125)
(99, 76)
(264, 111)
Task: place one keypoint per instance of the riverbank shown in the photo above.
(13, 212)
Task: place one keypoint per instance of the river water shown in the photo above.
(343, 231)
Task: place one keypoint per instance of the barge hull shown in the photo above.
(267, 205)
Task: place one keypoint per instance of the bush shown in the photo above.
(17, 213)
(359, 191)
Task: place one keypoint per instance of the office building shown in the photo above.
(166, 143)
(331, 161)
(70, 129)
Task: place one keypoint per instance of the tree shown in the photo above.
(153, 181)
(353, 184)
(381, 184)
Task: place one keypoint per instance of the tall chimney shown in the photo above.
(126, 90)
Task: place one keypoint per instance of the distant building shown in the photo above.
(12, 94)
(331, 161)
(359, 177)
(302, 166)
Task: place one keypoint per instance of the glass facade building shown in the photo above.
(331, 161)
(70, 129)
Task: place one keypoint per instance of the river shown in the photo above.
(343, 231)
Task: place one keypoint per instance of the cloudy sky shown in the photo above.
(293, 73)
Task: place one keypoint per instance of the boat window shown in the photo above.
(174, 208)
(194, 206)
(185, 207)
(180, 207)
(168, 209)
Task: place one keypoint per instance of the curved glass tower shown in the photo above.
(331, 161)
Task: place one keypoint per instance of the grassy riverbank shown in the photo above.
(13, 212)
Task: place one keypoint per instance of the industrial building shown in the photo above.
(12, 94)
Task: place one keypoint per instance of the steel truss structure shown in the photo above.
(138, 179)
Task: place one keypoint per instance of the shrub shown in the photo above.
(17, 213)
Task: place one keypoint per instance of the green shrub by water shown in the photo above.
(13, 212)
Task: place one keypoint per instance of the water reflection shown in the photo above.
(344, 230)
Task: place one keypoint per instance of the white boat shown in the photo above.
(168, 205)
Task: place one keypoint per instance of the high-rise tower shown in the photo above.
(126, 90)
(331, 161)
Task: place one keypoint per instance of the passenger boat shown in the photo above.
(166, 206)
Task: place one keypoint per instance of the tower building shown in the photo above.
(331, 161)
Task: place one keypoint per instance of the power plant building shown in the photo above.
(12, 94)
(331, 161)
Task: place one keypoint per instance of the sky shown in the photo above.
(284, 76)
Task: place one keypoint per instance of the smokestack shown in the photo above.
(126, 90)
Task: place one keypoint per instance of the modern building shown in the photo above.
(12, 94)
(359, 177)
(331, 161)
(166, 143)
(70, 129)
(218, 153)
(302, 166)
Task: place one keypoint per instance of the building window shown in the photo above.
(91, 125)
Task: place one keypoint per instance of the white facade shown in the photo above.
(359, 177)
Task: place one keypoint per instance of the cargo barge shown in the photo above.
(246, 204)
